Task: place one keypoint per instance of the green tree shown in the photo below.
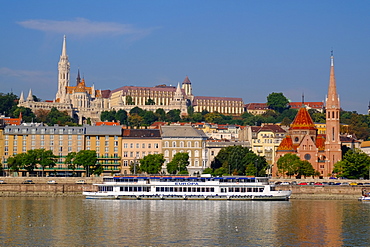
(59, 117)
(305, 169)
(87, 159)
(149, 118)
(16, 162)
(150, 102)
(70, 161)
(27, 114)
(7, 102)
(277, 102)
(161, 114)
(355, 164)
(178, 164)
(108, 115)
(137, 110)
(121, 116)
(208, 170)
(213, 117)
(129, 100)
(288, 164)
(135, 120)
(239, 160)
(152, 163)
(173, 116)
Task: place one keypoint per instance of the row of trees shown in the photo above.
(35, 158)
(152, 164)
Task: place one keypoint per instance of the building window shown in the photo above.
(131, 145)
(174, 144)
(149, 145)
(143, 145)
(156, 145)
(116, 143)
(137, 145)
(125, 145)
(125, 154)
(70, 137)
(166, 144)
(106, 143)
(181, 144)
(97, 143)
(88, 143)
(125, 163)
(131, 154)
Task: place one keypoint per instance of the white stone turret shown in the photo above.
(30, 97)
(21, 98)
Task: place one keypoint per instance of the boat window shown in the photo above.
(189, 189)
(255, 189)
(231, 189)
(237, 189)
(249, 189)
(261, 189)
(212, 189)
(198, 189)
(243, 190)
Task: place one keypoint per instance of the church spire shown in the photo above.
(64, 47)
(332, 100)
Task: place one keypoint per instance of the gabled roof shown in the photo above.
(303, 120)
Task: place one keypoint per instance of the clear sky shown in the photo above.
(245, 49)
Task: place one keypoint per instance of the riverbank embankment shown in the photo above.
(68, 186)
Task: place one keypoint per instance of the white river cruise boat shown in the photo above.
(187, 188)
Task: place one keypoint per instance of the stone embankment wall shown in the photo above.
(328, 192)
(65, 186)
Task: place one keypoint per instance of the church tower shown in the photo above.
(332, 143)
(63, 74)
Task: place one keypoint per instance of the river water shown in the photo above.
(41, 221)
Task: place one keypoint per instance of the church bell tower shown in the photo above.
(332, 143)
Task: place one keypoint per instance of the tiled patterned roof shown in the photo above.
(303, 120)
(287, 145)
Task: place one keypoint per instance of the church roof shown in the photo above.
(303, 120)
(287, 145)
(186, 80)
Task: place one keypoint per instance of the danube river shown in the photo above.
(71, 221)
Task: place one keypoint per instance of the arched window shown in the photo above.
(166, 153)
(196, 153)
(181, 144)
(174, 144)
(166, 144)
(196, 144)
(189, 144)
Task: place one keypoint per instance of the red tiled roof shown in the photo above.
(314, 105)
(287, 145)
(303, 120)
(256, 106)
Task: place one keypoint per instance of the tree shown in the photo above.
(277, 102)
(149, 118)
(129, 100)
(7, 102)
(70, 161)
(121, 116)
(108, 115)
(15, 163)
(305, 169)
(161, 114)
(178, 164)
(213, 117)
(59, 117)
(150, 102)
(239, 160)
(173, 116)
(288, 164)
(152, 163)
(355, 164)
(86, 159)
(27, 114)
(135, 120)
(45, 158)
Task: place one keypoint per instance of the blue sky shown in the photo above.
(245, 49)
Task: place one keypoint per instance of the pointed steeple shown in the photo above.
(332, 100)
(186, 80)
(64, 47)
(21, 98)
(30, 97)
(78, 79)
(93, 91)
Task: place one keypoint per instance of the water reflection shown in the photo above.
(80, 222)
